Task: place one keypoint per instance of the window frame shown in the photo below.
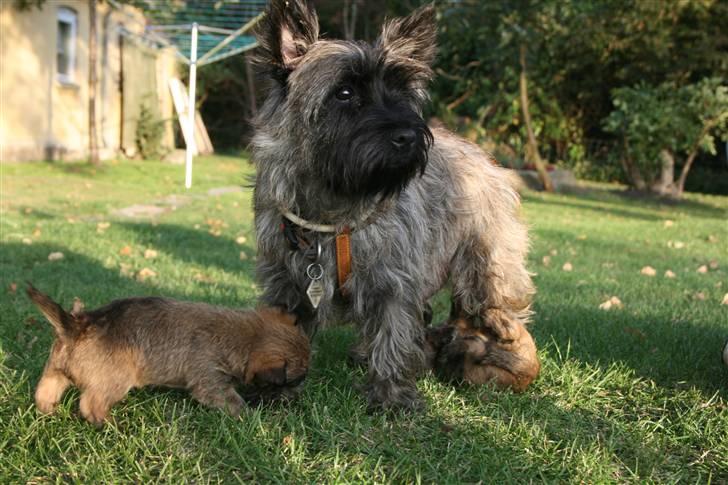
(67, 16)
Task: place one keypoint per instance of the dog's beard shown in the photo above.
(357, 158)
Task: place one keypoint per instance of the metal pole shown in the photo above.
(191, 108)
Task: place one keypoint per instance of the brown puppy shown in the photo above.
(457, 350)
(137, 342)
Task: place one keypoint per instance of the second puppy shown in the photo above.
(137, 342)
(458, 350)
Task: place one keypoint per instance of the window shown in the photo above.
(66, 45)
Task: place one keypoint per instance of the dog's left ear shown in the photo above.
(413, 37)
(285, 34)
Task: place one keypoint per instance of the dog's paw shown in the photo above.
(388, 395)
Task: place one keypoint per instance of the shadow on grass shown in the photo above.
(610, 201)
(196, 246)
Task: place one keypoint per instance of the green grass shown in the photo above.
(631, 395)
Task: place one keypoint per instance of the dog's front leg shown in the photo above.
(395, 335)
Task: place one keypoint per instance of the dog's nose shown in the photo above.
(403, 138)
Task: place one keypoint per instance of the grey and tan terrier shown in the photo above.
(343, 154)
(150, 341)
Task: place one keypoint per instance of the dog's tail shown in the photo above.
(66, 325)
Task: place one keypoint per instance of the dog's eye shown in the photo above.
(344, 93)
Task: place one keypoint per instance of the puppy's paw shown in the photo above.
(388, 395)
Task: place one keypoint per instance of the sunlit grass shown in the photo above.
(632, 394)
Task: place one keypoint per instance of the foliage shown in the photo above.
(149, 134)
(579, 52)
(681, 120)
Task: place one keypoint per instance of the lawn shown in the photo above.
(635, 393)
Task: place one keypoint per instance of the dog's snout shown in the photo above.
(403, 138)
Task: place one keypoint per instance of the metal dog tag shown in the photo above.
(315, 291)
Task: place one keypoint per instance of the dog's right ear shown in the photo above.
(285, 35)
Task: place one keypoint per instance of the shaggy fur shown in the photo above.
(139, 342)
(329, 147)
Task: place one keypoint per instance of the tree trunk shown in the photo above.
(680, 185)
(633, 173)
(665, 184)
(532, 151)
(93, 149)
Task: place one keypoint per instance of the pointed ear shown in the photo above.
(285, 34)
(412, 37)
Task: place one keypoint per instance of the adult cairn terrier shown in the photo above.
(362, 211)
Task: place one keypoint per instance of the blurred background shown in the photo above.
(628, 91)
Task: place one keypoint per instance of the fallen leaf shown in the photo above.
(648, 271)
(703, 269)
(669, 274)
(150, 254)
(700, 296)
(27, 240)
(553, 252)
(37, 232)
(71, 220)
(567, 267)
(202, 278)
(668, 223)
(712, 239)
(241, 240)
(236, 204)
(13, 287)
(125, 269)
(725, 300)
(581, 237)
(613, 302)
(55, 256)
(546, 260)
(287, 440)
(145, 273)
(608, 265)
(125, 251)
(675, 244)
(102, 226)
(713, 264)
(243, 256)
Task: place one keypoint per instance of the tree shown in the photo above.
(662, 124)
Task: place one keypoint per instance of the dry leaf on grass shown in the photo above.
(567, 267)
(125, 269)
(613, 302)
(125, 251)
(546, 260)
(668, 223)
(700, 296)
(725, 300)
(703, 269)
(648, 271)
(102, 226)
(713, 264)
(27, 240)
(241, 240)
(13, 287)
(581, 237)
(203, 278)
(553, 252)
(712, 239)
(150, 254)
(145, 273)
(56, 256)
(675, 244)
(669, 274)
(36, 232)
(243, 256)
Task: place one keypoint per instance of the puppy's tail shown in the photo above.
(66, 326)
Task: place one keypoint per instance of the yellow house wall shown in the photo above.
(43, 118)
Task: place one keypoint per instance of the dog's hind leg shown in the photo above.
(489, 276)
(215, 389)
